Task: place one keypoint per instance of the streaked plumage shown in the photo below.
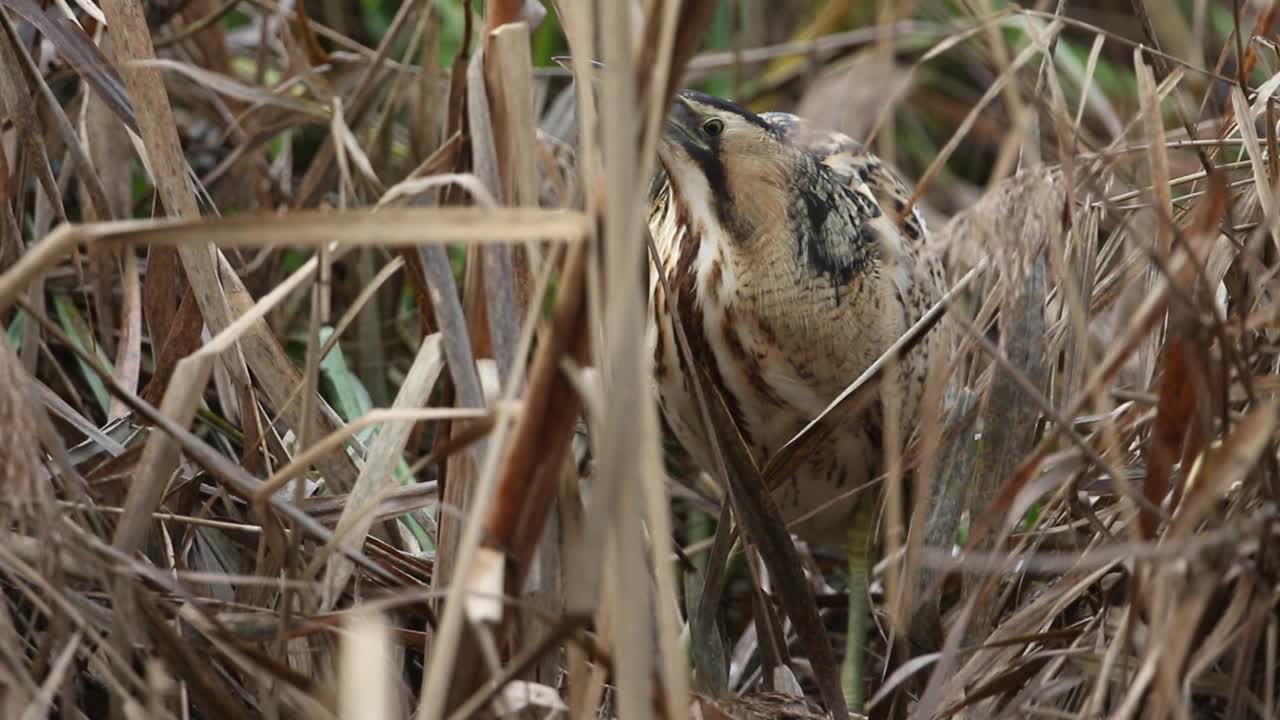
(791, 275)
(791, 270)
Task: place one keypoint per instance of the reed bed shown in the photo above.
(325, 394)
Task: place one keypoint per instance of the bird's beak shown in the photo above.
(682, 127)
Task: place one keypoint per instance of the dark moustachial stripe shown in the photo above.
(705, 151)
(712, 167)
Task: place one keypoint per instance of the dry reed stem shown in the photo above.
(1128, 553)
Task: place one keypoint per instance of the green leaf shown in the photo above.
(548, 41)
(75, 327)
(350, 399)
(452, 26)
(345, 392)
(375, 16)
(16, 329)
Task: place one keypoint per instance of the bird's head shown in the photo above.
(722, 153)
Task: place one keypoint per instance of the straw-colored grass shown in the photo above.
(306, 309)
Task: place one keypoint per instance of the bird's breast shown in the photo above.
(777, 339)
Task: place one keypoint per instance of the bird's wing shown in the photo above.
(854, 165)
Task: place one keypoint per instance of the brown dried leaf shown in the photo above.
(80, 52)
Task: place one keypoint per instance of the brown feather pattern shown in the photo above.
(792, 271)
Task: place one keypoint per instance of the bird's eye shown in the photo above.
(713, 127)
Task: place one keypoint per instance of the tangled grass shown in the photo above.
(302, 333)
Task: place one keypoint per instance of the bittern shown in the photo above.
(791, 270)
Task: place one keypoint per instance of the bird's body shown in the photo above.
(791, 274)
(791, 269)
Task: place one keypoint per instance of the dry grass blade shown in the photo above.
(1224, 466)
(233, 477)
(395, 227)
(365, 674)
(509, 71)
(323, 319)
(161, 455)
(21, 104)
(1029, 207)
(995, 89)
(82, 54)
(940, 511)
(203, 264)
(764, 527)
(378, 474)
(626, 457)
(240, 91)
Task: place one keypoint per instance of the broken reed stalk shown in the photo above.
(527, 482)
